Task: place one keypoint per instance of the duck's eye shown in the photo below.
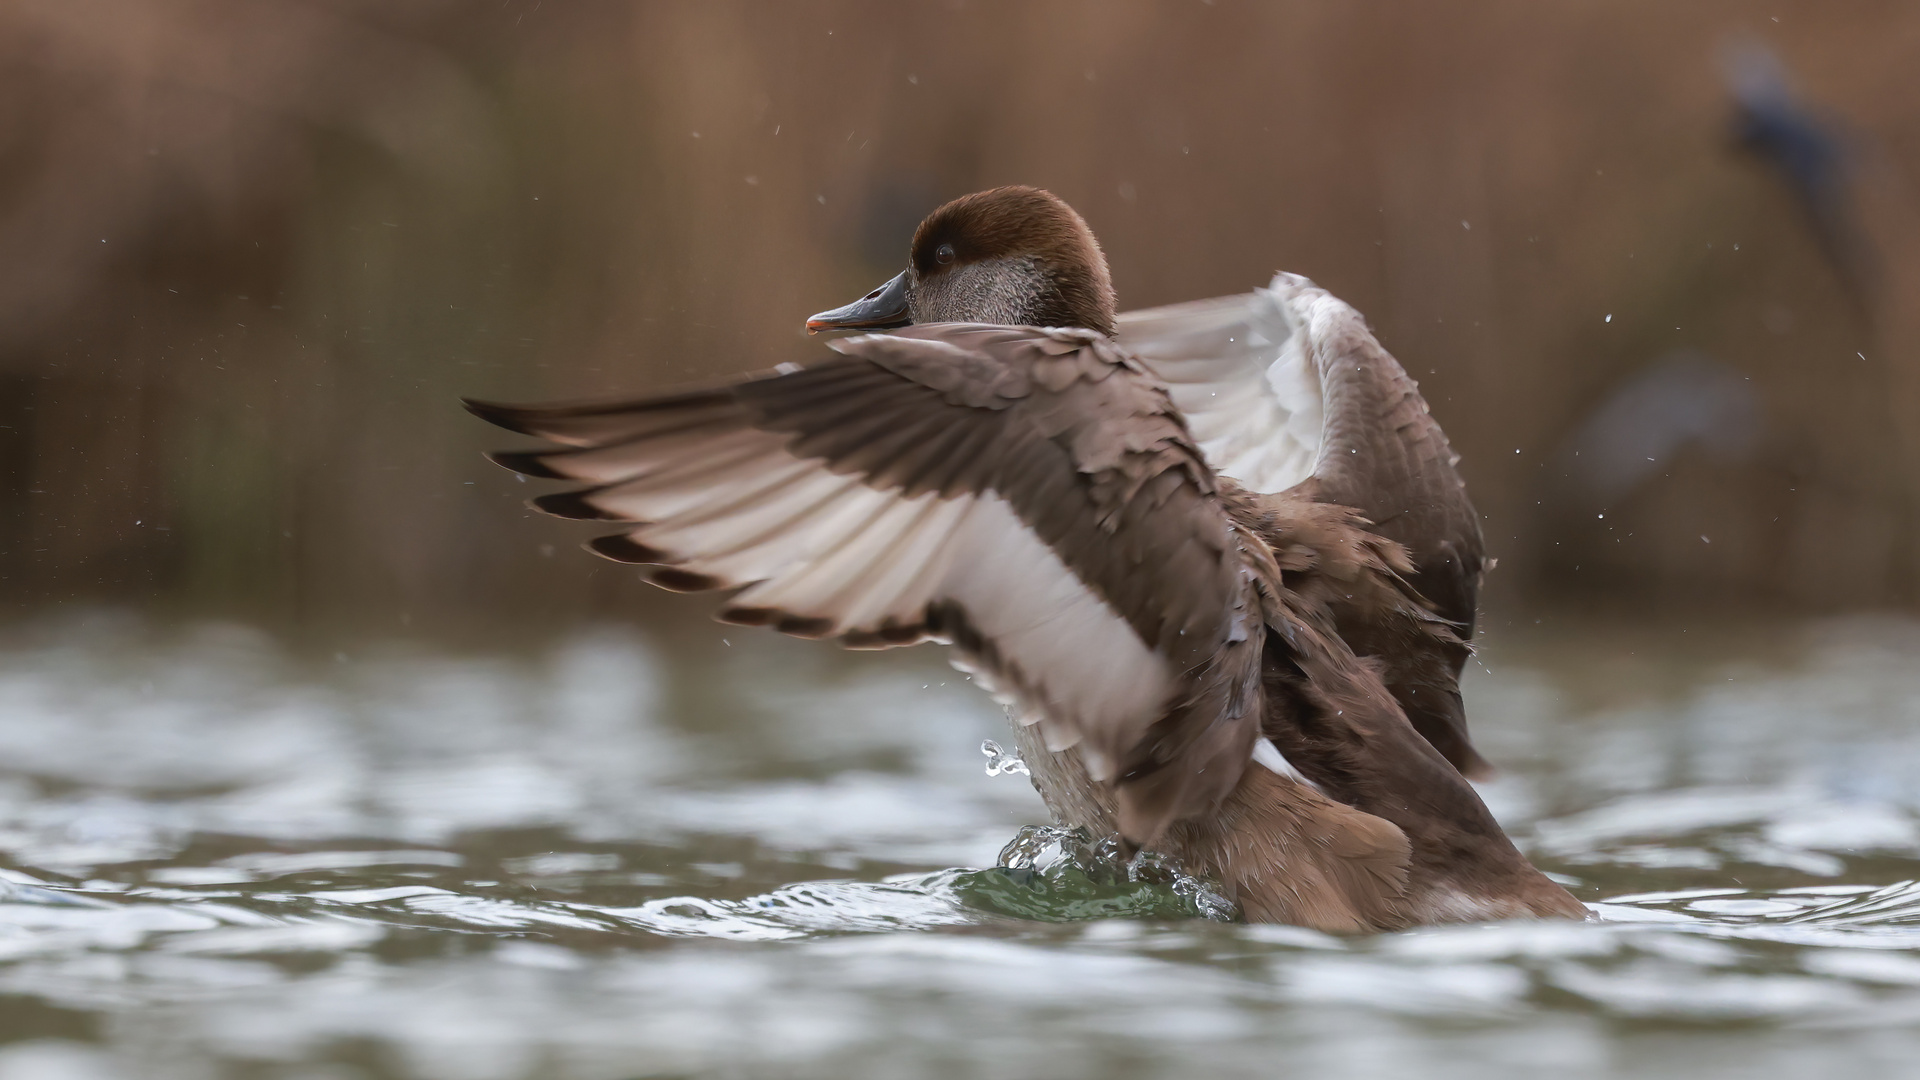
(943, 254)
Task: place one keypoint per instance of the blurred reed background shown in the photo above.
(253, 249)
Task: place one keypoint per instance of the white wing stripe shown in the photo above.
(1017, 592)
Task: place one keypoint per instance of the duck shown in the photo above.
(1215, 558)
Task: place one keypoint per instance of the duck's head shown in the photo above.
(1013, 255)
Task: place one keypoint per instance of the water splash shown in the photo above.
(1206, 900)
(1054, 874)
(1003, 761)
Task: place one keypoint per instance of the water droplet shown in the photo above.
(1002, 761)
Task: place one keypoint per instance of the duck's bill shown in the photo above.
(881, 309)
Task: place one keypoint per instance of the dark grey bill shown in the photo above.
(881, 309)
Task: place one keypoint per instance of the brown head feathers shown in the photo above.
(1017, 255)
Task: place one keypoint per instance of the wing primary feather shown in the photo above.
(598, 424)
(683, 466)
(912, 584)
(622, 548)
(688, 450)
(836, 544)
(760, 487)
(575, 505)
(675, 579)
(783, 527)
(879, 590)
(527, 463)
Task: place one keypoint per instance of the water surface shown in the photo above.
(620, 856)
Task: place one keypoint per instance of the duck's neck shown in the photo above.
(1078, 296)
(1017, 290)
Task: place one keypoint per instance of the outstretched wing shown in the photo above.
(1029, 496)
(1287, 390)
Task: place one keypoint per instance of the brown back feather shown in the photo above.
(1288, 854)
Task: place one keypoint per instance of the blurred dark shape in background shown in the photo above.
(1809, 152)
(1669, 487)
(255, 249)
(1683, 401)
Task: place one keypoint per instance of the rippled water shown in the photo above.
(624, 857)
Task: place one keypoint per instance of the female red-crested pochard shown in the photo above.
(1214, 557)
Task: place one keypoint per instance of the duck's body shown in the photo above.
(1227, 609)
